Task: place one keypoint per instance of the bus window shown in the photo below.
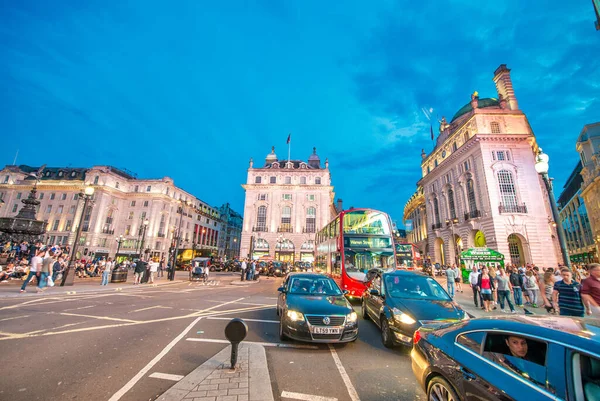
(366, 222)
(362, 261)
(337, 268)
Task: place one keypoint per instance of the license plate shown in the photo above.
(326, 330)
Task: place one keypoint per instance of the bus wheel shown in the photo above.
(365, 314)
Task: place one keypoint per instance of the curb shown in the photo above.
(259, 380)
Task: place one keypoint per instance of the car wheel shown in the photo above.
(439, 389)
(365, 314)
(282, 335)
(386, 333)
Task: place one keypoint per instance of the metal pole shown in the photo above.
(143, 239)
(76, 243)
(559, 228)
(174, 264)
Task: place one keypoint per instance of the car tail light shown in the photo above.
(416, 337)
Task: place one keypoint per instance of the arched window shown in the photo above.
(471, 196)
(261, 219)
(311, 214)
(508, 192)
(451, 203)
(436, 211)
(495, 127)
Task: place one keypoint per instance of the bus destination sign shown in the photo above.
(367, 242)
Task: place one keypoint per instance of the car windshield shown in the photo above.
(313, 286)
(415, 287)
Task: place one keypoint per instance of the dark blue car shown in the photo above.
(509, 358)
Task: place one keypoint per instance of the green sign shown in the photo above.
(367, 242)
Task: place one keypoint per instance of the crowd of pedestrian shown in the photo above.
(561, 291)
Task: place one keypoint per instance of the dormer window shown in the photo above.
(47, 173)
(73, 174)
(60, 173)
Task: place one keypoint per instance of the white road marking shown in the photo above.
(129, 385)
(306, 397)
(16, 317)
(264, 344)
(99, 317)
(245, 303)
(81, 307)
(166, 376)
(245, 320)
(351, 390)
(151, 307)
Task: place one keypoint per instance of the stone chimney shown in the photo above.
(504, 87)
(339, 206)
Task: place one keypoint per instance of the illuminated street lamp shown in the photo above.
(69, 274)
(542, 166)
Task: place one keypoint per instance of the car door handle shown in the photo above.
(467, 375)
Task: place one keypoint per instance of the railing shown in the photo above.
(108, 231)
(260, 229)
(285, 229)
(161, 235)
(472, 214)
(512, 208)
(309, 230)
(436, 226)
(109, 220)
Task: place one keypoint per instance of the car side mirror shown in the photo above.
(281, 289)
(374, 292)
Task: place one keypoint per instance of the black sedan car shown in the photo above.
(509, 358)
(311, 307)
(400, 301)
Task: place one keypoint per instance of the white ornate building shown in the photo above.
(287, 202)
(588, 146)
(121, 204)
(481, 187)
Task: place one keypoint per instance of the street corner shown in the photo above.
(249, 380)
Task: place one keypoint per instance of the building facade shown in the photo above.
(287, 202)
(121, 205)
(588, 147)
(232, 234)
(575, 221)
(481, 187)
(415, 221)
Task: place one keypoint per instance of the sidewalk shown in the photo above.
(215, 381)
(465, 300)
(88, 285)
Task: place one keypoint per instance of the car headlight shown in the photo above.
(295, 316)
(351, 318)
(402, 317)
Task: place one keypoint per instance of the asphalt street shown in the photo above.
(134, 344)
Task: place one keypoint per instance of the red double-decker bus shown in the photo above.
(356, 241)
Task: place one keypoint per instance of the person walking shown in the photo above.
(243, 267)
(567, 295)
(486, 286)
(590, 290)
(516, 282)
(504, 289)
(36, 264)
(450, 281)
(473, 278)
(139, 269)
(57, 267)
(547, 290)
(161, 268)
(533, 289)
(153, 271)
(206, 272)
(44, 271)
(458, 279)
(250, 273)
(108, 265)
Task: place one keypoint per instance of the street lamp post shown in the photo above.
(144, 228)
(69, 273)
(120, 239)
(118, 275)
(542, 166)
(451, 223)
(174, 261)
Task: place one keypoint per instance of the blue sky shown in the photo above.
(193, 90)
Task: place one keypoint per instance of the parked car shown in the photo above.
(197, 266)
(311, 307)
(509, 358)
(400, 301)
